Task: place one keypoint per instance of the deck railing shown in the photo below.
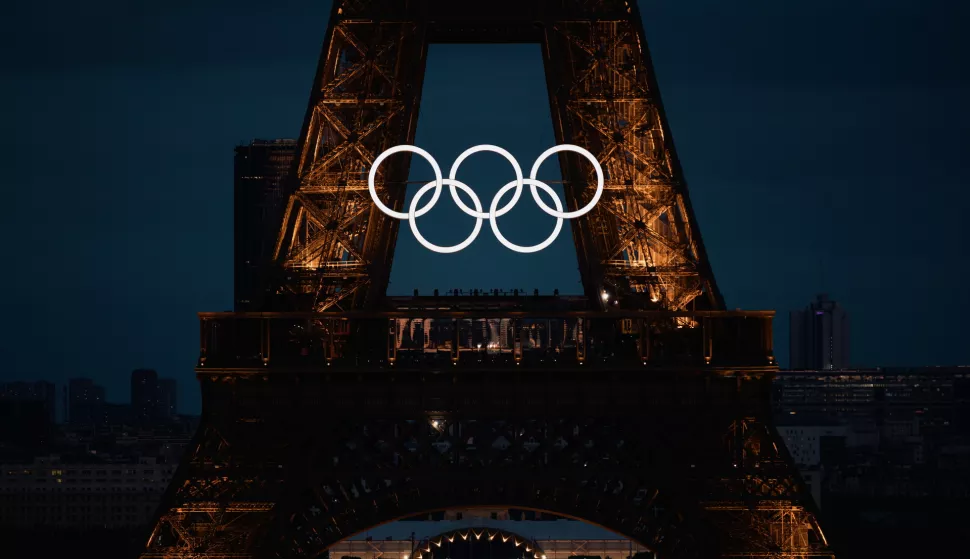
(427, 338)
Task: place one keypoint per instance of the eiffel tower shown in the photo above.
(640, 406)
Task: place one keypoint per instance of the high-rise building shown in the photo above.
(819, 336)
(144, 395)
(85, 401)
(27, 413)
(167, 398)
(261, 169)
(41, 392)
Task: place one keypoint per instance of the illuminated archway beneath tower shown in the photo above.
(486, 533)
(483, 543)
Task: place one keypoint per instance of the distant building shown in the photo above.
(115, 414)
(81, 495)
(819, 336)
(885, 432)
(144, 395)
(42, 392)
(85, 401)
(261, 169)
(25, 425)
(167, 398)
(153, 399)
(806, 444)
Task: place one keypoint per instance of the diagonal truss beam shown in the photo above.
(641, 240)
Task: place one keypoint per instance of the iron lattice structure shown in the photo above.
(324, 417)
(641, 242)
(661, 436)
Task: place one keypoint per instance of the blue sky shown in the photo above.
(824, 144)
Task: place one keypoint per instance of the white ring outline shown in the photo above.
(492, 214)
(518, 179)
(411, 215)
(599, 181)
(397, 149)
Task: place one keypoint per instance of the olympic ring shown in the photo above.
(503, 153)
(411, 215)
(493, 212)
(599, 182)
(498, 235)
(385, 155)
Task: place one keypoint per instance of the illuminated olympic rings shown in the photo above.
(493, 210)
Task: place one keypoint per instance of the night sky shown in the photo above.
(824, 143)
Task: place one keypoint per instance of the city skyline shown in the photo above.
(81, 400)
(789, 176)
